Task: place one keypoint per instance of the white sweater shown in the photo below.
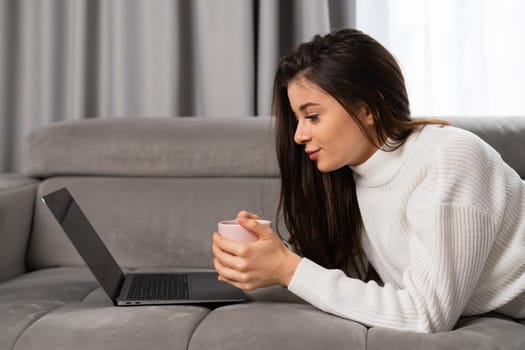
(444, 221)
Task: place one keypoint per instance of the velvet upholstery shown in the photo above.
(264, 325)
(158, 222)
(483, 333)
(17, 195)
(153, 147)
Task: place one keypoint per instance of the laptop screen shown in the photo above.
(86, 240)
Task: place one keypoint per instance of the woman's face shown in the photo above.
(330, 135)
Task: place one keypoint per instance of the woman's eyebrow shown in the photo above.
(306, 105)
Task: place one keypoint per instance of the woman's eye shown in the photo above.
(312, 117)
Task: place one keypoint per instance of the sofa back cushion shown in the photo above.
(162, 147)
(153, 188)
(149, 221)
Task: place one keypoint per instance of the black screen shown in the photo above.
(86, 240)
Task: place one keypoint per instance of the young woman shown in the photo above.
(432, 208)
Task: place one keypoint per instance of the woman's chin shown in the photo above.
(324, 168)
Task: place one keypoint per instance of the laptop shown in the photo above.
(134, 288)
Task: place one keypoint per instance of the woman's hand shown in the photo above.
(251, 265)
(247, 215)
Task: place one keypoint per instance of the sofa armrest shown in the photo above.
(17, 197)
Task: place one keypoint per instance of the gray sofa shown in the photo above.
(154, 189)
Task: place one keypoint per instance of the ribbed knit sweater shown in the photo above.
(444, 227)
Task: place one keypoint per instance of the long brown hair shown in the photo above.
(321, 210)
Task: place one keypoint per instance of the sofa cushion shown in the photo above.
(17, 195)
(177, 146)
(264, 325)
(482, 333)
(26, 299)
(149, 222)
(93, 324)
(60, 308)
(14, 181)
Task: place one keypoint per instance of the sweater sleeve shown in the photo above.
(447, 251)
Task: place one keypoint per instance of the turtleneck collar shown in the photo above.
(382, 166)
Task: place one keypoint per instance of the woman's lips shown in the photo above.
(313, 155)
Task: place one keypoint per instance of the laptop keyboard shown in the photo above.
(158, 286)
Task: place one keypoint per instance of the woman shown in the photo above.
(432, 208)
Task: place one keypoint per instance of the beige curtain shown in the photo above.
(70, 59)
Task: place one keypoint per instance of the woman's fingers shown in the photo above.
(259, 230)
(228, 274)
(233, 277)
(229, 260)
(232, 247)
(230, 253)
(248, 215)
(232, 269)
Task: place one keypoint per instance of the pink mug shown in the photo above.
(232, 230)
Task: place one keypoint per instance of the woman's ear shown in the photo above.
(365, 114)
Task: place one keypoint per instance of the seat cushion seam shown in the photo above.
(33, 322)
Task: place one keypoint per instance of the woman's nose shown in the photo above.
(301, 135)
